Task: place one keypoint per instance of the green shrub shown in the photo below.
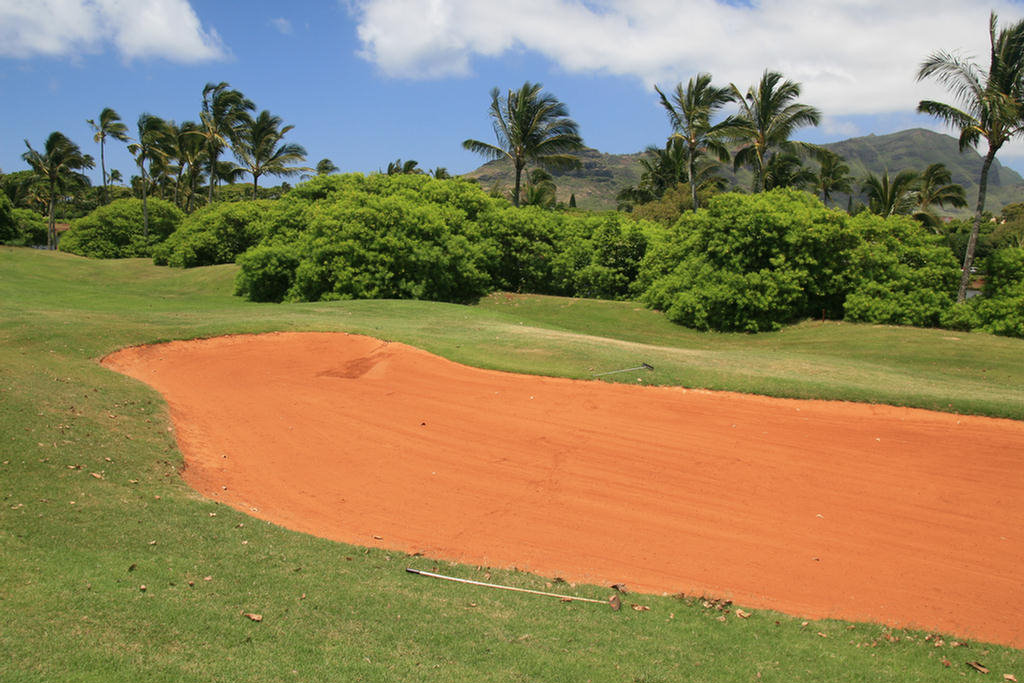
(31, 227)
(750, 263)
(1004, 272)
(214, 234)
(8, 229)
(370, 246)
(266, 273)
(902, 274)
(116, 230)
(600, 255)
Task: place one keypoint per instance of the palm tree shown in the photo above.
(936, 187)
(58, 166)
(399, 167)
(261, 151)
(110, 125)
(326, 167)
(768, 116)
(224, 111)
(991, 107)
(689, 112)
(530, 125)
(891, 195)
(440, 173)
(115, 177)
(785, 169)
(149, 146)
(540, 189)
(185, 144)
(833, 176)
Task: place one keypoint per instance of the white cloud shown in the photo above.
(167, 29)
(852, 56)
(282, 25)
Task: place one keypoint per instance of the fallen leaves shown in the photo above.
(1010, 677)
(742, 614)
(640, 608)
(978, 666)
(253, 617)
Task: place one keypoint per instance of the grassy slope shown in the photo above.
(75, 548)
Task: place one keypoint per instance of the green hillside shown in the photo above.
(602, 176)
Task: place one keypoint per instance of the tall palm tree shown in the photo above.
(540, 189)
(936, 186)
(769, 114)
(833, 176)
(785, 169)
(690, 111)
(260, 151)
(149, 146)
(530, 125)
(224, 111)
(109, 126)
(186, 145)
(891, 195)
(58, 166)
(991, 106)
(440, 173)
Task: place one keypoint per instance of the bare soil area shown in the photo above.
(821, 509)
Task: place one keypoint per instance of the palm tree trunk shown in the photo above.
(255, 180)
(972, 241)
(145, 208)
(51, 229)
(103, 168)
(213, 173)
(693, 180)
(515, 191)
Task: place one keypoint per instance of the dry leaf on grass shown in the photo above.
(742, 615)
(641, 608)
(1010, 677)
(254, 617)
(96, 475)
(978, 666)
(946, 663)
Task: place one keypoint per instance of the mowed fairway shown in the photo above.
(819, 509)
(94, 505)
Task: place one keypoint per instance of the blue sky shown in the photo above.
(367, 81)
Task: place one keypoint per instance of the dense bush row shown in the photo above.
(757, 262)
(744, 263)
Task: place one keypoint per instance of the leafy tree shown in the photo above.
(57, 167)
(690, 111)
(149, 147)
(891, 195)
(260, 150)
(991, 106)
(833, 176)
(110, 125)
(224, 111)
(769, 114)
(936, 187)
(530, 125)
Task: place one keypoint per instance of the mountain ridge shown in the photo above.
(602, 175)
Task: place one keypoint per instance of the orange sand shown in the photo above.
(814, 508)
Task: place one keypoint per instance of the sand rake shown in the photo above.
(612, 602)
(642, 366)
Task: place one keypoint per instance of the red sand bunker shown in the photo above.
(813, 508)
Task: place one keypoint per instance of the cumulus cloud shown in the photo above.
(852, 56)
(167, 29)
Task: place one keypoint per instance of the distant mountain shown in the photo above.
(916, 148)
(603, 175)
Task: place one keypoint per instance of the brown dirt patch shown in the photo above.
(814, 508)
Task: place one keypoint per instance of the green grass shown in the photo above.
(75, 548)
